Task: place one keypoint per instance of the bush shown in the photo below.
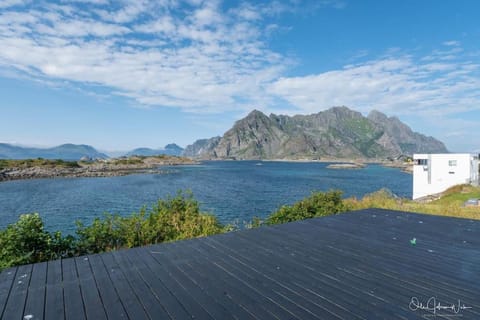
(317, 205)
(175, 218)
(172, 219)
(27, 242)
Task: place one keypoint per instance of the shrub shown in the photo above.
(317, 205)
(175, 218)
(26, 241)
(171, 219)
(100, 235)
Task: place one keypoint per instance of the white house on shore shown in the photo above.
(435, 173)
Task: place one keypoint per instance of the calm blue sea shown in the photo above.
(235, 191)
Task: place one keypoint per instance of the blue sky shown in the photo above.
(124, 74)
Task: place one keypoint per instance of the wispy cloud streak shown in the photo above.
(159, 53)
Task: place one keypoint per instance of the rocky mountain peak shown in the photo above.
(377, 116)
(338, 132)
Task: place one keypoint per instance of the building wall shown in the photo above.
(435, 173)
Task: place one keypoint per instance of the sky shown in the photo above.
(119, 74)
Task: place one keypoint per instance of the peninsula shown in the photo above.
(47, 168)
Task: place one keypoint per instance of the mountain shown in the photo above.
(406, 141)
(173, 149)
(335, 133)
(201, 148)
(170, 149)
(64, 151)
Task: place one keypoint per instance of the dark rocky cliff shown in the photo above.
(335, 133)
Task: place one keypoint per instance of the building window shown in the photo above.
(422, 162)
(452, 163)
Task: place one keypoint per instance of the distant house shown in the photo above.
(435, 173)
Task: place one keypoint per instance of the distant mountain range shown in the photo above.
(171, 149)
(338, 132)
(64, 152)
(335, 133)
(77, 152)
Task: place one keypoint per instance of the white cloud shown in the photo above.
(203, 59)
(195, 57)
(163, 24)
(11, 3)
(451, 43)
(396, 85)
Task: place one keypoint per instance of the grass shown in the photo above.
(128, 161)
(450, 204)
(39, 162)
(459, 194)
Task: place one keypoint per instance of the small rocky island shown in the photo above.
(44, 168)
(346, 165)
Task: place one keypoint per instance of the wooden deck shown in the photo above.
(358, 265)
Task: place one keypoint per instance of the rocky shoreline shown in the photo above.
(346, 166)
(99, 168)
(405, 167)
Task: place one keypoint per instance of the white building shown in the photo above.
(435, 173)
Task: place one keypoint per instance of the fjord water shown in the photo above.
(235, 191)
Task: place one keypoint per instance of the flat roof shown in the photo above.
(368, 264)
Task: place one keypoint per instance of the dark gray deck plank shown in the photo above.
(54, 306)
(229, 297)
(91, 297)
(280, 292)
(427, 237)
(412, 283)
(200, 272)
(148, 272)
(253, 238)
(241, 292)
(375, 269)
(72, 295)
(214, 309)
(18, 294)
(35, 304)
(422, 259)
(130, 300)
(193, 308)
(223, 258)
(110, 299)
(408, 258)
(298, 278)
(149, 300)
(7, 277)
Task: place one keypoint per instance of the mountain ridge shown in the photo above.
(338, 132)
(170, 149)
(66, 151)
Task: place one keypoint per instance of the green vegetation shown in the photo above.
(172, 219)
(128, 161)
(175, 218)
(458, 195)
(450, 203)
(360, 127)
(39, 162)
(139, 160)
(27, 242)
(318, 204)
